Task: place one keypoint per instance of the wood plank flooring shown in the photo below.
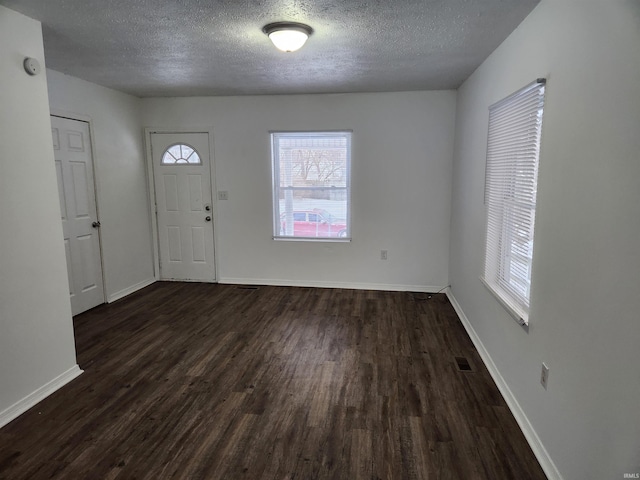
(203, 381)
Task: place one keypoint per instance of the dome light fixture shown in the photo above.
(288, 36)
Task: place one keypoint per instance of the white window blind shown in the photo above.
(513, 149)
(311, 185)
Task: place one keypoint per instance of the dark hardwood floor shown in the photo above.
(202, 381)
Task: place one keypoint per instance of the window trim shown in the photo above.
(504, 218)
(500, 295)
(275, 172)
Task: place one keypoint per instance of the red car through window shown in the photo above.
(313, 223)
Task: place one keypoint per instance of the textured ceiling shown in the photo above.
(216, 47)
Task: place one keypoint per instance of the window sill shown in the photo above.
(313, 239)
(518, 315)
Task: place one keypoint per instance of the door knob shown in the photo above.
(207, 208)
(95, 224)
(207, 218)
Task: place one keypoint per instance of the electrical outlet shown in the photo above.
(383, 254)
(544, 375)
(223, 195)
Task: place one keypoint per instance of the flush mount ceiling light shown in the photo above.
(288, 36)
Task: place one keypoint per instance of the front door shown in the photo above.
(184, 209)
(76, 189)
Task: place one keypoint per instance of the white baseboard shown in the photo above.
(346, 285)
(530, 434)
(21, 406)
(129, 290)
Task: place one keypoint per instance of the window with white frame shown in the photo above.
(180, 154)
(311, 185)
(513, 151)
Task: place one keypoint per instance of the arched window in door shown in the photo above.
(181, 154)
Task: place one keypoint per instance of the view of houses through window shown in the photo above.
(311, 182)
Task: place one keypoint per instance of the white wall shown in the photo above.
(401, 177)
(121, 182)
(586, 272)
(36, 331)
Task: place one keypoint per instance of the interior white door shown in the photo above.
(184, 208)
(76, 189)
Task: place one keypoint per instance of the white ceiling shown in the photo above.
(216, 47)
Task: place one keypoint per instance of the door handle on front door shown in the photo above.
(95, 224)
(207, 218)
(207, 208)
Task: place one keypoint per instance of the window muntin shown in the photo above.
(513, 150)
(311, 185)
(180, 154)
